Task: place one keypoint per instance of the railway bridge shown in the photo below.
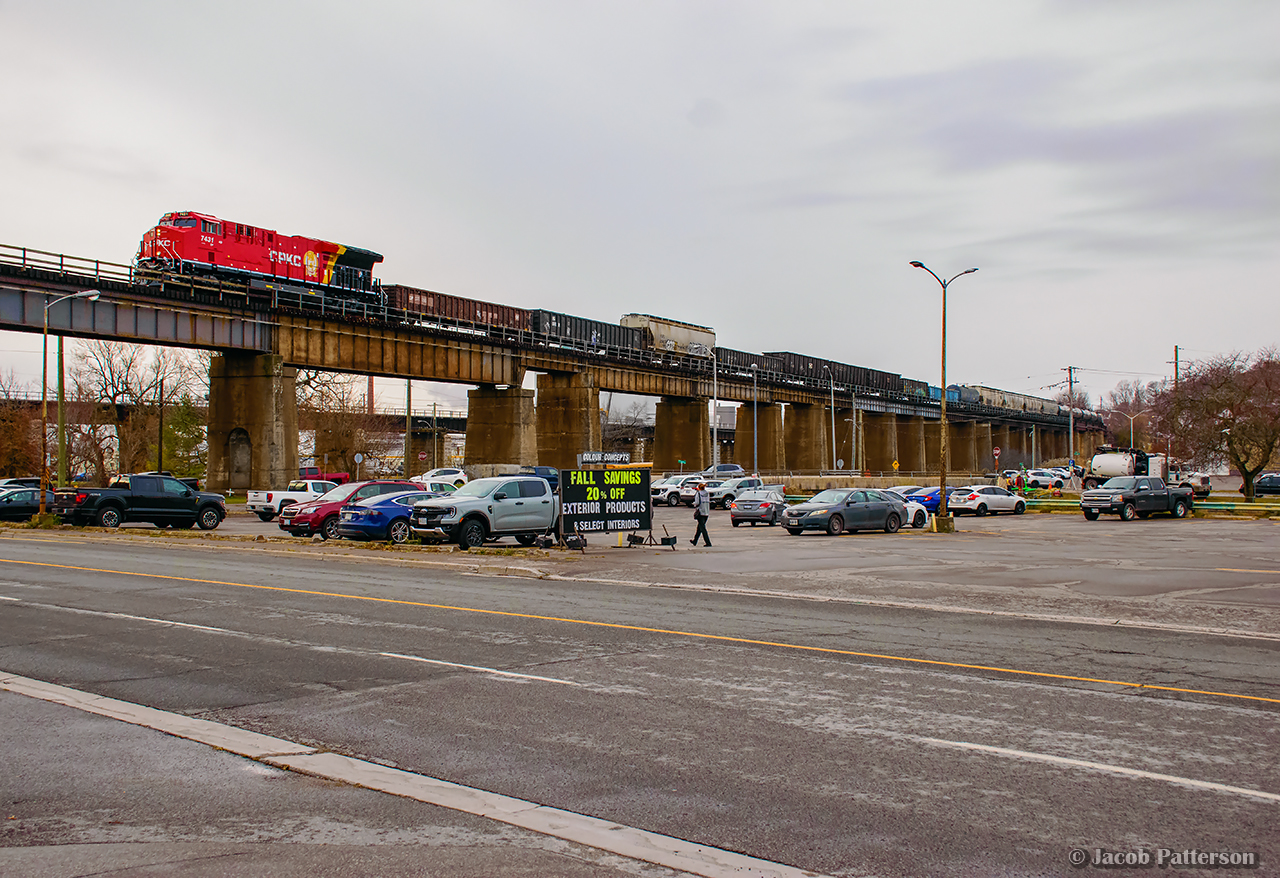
(253, 425)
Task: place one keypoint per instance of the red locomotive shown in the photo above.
(197, 243)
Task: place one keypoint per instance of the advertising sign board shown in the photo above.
(589, 457)
(601, 501)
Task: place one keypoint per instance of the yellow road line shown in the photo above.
(1239, 570)
(621, 627)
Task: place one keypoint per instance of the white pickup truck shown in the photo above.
(267, 504)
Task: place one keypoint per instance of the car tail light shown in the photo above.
(733, 505)
(972, 497)
(81, 496)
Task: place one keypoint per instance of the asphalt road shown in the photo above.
(822, 728)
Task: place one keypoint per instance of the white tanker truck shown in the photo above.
(1110, 461)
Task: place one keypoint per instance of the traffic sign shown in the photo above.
(422, 455)
(996, 451)
(359, 458)
(895, 466)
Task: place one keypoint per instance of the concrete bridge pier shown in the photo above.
(911, 445)
(846, 441)
(1000, 439)
(428, 442)
(982, 448)
(962, 439)
(933, 445)
(806, 437)
(253, 422)
(501, 430)
(770, 451)
(880, 437)
(568, 417)
(681, 431)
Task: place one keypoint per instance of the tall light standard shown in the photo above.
(715, 420)
(1131, 420)
(832, 376)
(942, 463)
(755, 426)
(92, 296)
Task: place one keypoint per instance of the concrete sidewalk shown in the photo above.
(84, 795)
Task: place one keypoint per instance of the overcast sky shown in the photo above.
(768, 169)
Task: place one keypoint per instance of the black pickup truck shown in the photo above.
(161, 500)
(1133, 497)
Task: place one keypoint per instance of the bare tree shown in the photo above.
(1226, 408)
(1128, 412)
(124, 381)
(19, 430)
(337, 407)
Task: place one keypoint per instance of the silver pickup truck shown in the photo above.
(487, 509)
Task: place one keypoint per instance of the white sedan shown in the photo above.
(981, 499)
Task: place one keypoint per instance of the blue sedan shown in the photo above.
(385, 517)
(928, 498)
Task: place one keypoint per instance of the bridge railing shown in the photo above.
(25, 257)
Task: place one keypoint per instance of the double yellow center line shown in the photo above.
(668, 631)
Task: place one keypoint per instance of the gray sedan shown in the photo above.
(757, 507)
(839, 509)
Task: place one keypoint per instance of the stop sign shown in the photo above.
(422, 455)
(996, 451)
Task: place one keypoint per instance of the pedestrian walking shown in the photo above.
(701, 512)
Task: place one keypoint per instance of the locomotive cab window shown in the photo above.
(209, 228)
(184, 223)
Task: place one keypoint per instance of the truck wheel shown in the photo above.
(1090, 484)
(266, 516)
(208, 518)
(1020, 507)
(1091, 514)
(1180, 509)
(673, 499)
(398, 531)
(471, 535)
(109, 517)
(1127, 512)
(329, 529)
(526, 539)
(835, 525)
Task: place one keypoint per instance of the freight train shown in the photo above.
(289, 272)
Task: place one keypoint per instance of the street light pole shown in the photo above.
(715, 419)
(755, 425)
(832, 376)
(942, 463)
(44, 393)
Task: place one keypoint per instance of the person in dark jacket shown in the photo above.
(701, 512)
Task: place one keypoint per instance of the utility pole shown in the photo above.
(408, 426)
(160, 447)
(1071, 414)
(1173, 421)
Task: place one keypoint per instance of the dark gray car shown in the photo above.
(837, 510)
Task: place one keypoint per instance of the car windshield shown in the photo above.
(1121, 484)
(482, 488)
(342, 492)
(829, 497)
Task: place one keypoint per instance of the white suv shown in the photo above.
(668, 490)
